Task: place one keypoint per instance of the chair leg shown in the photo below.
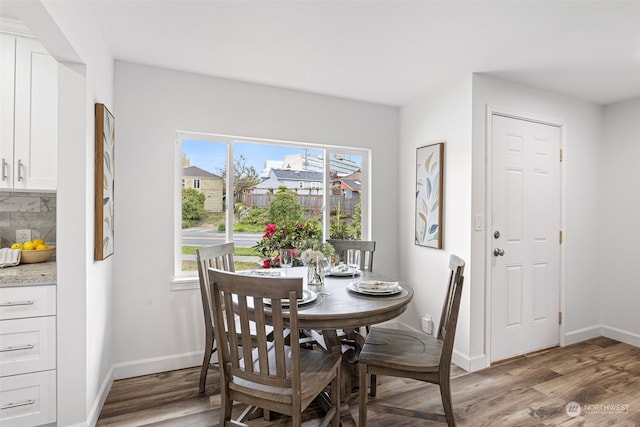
(226, 405)
(335, 397)
(208, 350)
(373, 386)
(362, 392)
(296, 419)
(445, 393)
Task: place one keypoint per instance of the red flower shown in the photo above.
(266, 263)
(269, 230)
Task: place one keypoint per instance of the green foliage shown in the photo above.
(284, 208)
(339, 229)
(357, 221)
(254, 216)
(192, 205)
(346, 230)
(188, 224)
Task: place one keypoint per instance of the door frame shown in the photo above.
(536, 118)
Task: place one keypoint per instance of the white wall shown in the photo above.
(68, 31)
(156, 328)
(619, 185)
(582, 204)
(443, 115)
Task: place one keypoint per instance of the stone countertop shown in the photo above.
(41, 273)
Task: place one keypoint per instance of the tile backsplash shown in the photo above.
(22, 210)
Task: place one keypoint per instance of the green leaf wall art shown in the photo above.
(104, 165)
(429, 195)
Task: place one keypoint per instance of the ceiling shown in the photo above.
(388, 52)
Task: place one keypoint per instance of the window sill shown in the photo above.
(185, 283)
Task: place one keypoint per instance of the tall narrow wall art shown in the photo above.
(429, 195)
(104, 165)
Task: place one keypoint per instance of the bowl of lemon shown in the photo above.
(34, 251)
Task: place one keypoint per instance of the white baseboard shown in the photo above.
(469, 364)
(583, 334)
(620, 335)
(156, 364)
(602, 331)
(98, 403)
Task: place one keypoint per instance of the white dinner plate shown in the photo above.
(374, 287)
(343, 273)
(307, 297)
(264, 272)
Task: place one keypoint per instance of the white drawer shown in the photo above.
(27, 345)
(27, 301)
(28, 400)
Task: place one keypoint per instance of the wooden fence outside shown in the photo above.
(311, 203)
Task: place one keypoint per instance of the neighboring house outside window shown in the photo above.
(349, 185)
(211, 185)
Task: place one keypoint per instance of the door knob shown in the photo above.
(498, 252)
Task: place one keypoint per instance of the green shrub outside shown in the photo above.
(192, 206)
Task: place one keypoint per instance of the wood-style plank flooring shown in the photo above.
(602, 375)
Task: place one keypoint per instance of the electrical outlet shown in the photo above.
(427, 324)
(23, 236)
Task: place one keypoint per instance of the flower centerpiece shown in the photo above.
(298, 236)
(316, 262)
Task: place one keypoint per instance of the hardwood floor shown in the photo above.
(601, 375)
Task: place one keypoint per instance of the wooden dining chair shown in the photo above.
(408, 354)
(366, 248)
(220, 257)
(279, 375)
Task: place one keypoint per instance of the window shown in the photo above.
(236, 179)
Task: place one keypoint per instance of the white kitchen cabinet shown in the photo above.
(27, 355)
(28, 139)
(28, 400)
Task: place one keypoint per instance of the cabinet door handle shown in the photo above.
(20, 165)
(4, 169)
(15, 405)
(16, 348)
(15, 303)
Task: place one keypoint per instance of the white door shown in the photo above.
(525, 266)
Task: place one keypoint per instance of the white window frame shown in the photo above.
(189, 280)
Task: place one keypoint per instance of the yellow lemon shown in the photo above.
(16, 246)
(41, 247)
(38, 242)
(28, 246)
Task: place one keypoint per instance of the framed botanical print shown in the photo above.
(429, 195)
(104, 165)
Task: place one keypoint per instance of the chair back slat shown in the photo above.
(219, 257)
(450, 309)
(366, 248)
(244, 298)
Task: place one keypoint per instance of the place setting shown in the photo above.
(375, 288)
(349, 269)
(343, 270)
